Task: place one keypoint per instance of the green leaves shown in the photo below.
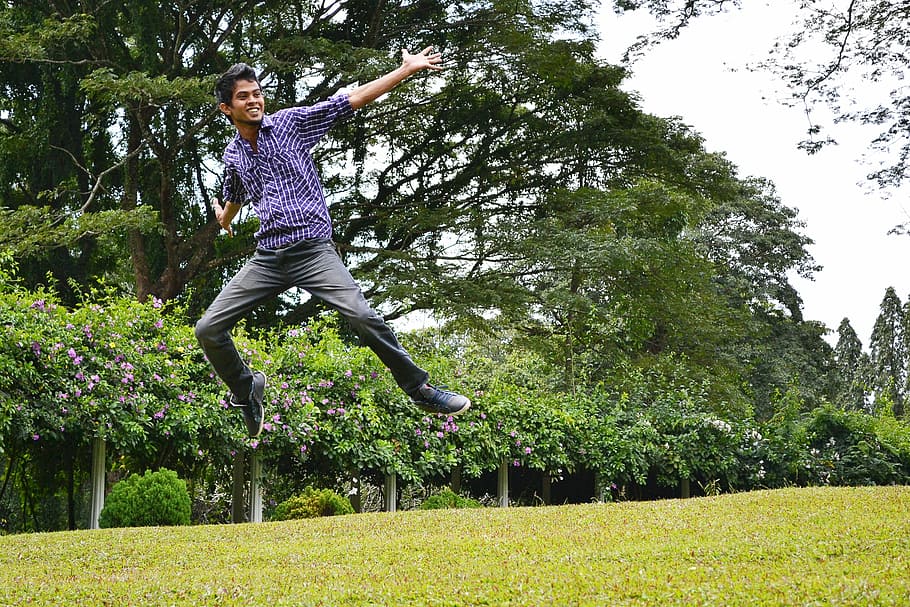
(113, 89)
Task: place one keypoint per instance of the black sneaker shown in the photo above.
(438, 400)
(253, 413)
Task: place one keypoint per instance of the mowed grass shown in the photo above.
(833, 546)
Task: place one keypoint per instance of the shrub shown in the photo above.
(446, 498)
(312, 503)
(155, 498)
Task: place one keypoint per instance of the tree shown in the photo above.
(756, 243)
(888, 354)
(140, 75)
(852, 365)
(861, 41)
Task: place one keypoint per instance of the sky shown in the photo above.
(702, 78)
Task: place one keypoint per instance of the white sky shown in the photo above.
(701, 77)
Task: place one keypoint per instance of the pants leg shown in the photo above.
(314, 265)
(258, 280)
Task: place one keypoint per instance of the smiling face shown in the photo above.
(247, 104)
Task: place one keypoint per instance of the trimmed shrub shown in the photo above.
(446, 498)
(155, 498)
(312, 503)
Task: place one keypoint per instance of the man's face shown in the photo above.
(247, 104)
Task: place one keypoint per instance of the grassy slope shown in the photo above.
(787, 547)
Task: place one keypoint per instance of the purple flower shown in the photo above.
(528, 450)
(348, 373)
(35, 436)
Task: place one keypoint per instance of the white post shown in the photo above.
(255, 489)
(99, 470)
(390, 492)
(503, 484)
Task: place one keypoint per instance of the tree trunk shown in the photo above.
(129, 202)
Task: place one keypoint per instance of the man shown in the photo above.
(268, 164)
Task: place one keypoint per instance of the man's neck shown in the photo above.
(250, 132)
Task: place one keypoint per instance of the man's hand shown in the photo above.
(424, 60)
(410, 64)
(223, 216)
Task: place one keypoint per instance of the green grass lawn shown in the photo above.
(846, 546)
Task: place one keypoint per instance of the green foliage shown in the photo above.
(446, 498)
(312, 503)
(152, 499)
(847, 449)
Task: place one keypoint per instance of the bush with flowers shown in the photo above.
(132, 374)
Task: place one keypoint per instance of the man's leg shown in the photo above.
(315, 266)
(257, 281)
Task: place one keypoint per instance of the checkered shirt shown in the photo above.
(280, 180)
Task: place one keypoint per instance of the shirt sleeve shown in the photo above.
(232, 187)
(314, 121)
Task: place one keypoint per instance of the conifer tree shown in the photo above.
(888, 354)
(852, 365)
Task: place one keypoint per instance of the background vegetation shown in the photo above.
(616, 298)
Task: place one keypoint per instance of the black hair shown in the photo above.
(224, 88)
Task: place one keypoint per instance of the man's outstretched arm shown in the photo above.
(410, 64)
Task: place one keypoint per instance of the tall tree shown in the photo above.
(852, 365)
(888, 354)
(834, 44)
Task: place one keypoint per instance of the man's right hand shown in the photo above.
(222, 216)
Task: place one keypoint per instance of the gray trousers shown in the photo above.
(315, 266)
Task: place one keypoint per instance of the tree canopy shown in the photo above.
(849, 56)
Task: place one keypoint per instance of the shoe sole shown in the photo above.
(429, 409)
(265, 381)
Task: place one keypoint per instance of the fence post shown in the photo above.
(455, 480)
(255, 489)
(502, 485)
(390, 492)
(546, 489)
(238, 476)
(356, 501)
(99, 471)
(684, 489)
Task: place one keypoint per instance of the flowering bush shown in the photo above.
(132, 374)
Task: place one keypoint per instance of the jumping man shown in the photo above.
(268, 164)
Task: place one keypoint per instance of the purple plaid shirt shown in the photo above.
(281, 179)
